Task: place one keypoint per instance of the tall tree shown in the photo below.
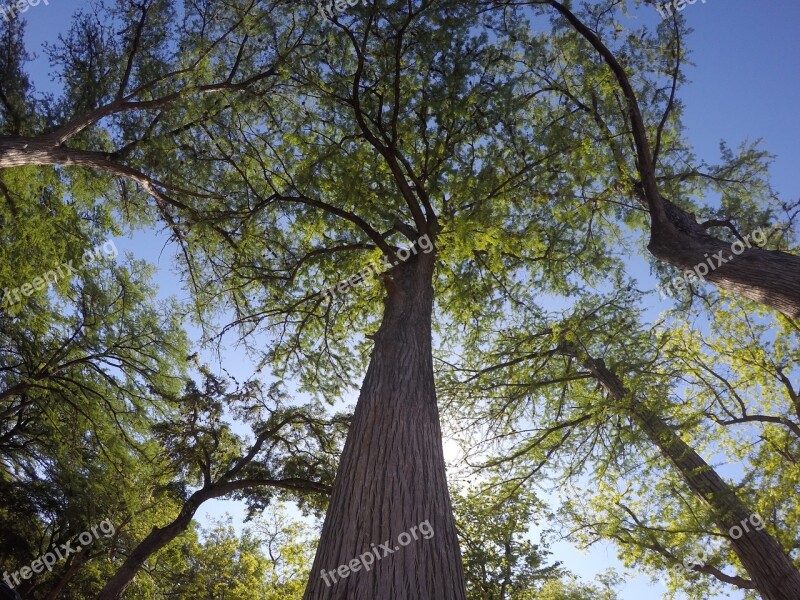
(420, 100)
(554, 368)
(650, 173)
(392, 141)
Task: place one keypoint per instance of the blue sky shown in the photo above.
(745, 86)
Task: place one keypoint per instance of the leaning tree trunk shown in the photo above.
(769, 277)
(391, 476)
(161, 536)
(771, 570)
(155, 540)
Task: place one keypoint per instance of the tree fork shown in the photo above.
(391, 476)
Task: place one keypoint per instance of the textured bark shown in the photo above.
(771, 570)
(769, 277)
(391, 476)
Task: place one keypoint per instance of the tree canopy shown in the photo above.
(437, 204)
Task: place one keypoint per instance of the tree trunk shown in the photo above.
(772, 571)
(45, 150)
(62, 582)
(768, 277)
(391, 476)
(161, 536)
(155, 540)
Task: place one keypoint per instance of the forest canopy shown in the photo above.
(452, 289)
